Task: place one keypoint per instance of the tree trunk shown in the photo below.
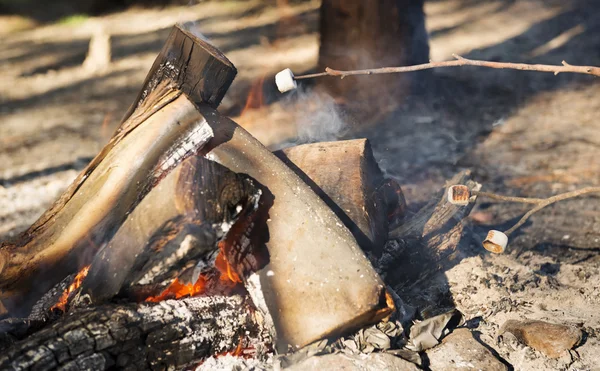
(359, 34)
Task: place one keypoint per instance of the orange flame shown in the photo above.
(255, 98)
(62, 301)
(221, 263)
(179, 290)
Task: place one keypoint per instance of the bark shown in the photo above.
(89, 214)
(318, 281)
(346, 176)
(360, 34)
(429, 241)
(193, 198)
(173, 333)
(161, 129)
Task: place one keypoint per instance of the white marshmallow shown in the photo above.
(285, 81)
(495, 242)
(459, 194)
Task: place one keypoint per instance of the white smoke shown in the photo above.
(317, 117)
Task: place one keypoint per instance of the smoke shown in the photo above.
(317, 117)
(194, 29)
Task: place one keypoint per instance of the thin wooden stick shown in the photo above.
(523, 200)
(549, 201)
(460, 61)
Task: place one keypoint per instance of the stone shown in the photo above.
(358, 362)
(551, 339)
(460, 351)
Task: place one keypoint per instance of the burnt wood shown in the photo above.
(190, 64)
(196, 202)
(429, 241)
(170, 334)
(161, 129)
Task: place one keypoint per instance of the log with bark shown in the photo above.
(429, 241)
(318, 281)
(161, 130)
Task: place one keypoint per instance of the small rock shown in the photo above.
(359, 362)
(551, 339)
(460, 351)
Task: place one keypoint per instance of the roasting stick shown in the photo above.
(286, 80)
(496, 241)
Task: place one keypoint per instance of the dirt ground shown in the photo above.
(521, 133)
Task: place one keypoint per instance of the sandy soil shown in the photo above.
(521, 133)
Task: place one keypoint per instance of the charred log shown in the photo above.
(428, 242)
(161, 130)
(190, 64)
(173, 333)
(175, 227)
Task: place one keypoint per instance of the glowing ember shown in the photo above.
(62, 301)
(228, 279)
(180, 290)
(237, 352)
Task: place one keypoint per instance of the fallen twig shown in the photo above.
(460, 61)
(496, 241)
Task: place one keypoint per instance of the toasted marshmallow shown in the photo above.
(285, 80)
(495, 242)
(459, 195)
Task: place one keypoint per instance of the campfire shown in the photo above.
(184, 220)
(186, 241)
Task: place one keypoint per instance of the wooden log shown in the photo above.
(171, 334)
(189, 64)
(201, 191)
(318, 282)
(428, 242)
(161, 129)
(62, 242)
(192, 199)
(346, 176)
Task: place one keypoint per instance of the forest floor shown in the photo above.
(521, 133)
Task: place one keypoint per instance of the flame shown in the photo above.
(62, 301)
(255, 98)
(221, 263)
(179, 290)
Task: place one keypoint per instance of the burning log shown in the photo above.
(181, 210)
(173, 333)
(161, 129)
(346, 176)
(318, 282)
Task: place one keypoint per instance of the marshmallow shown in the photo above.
(495, 242)
(285, 81)
(459, 195)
